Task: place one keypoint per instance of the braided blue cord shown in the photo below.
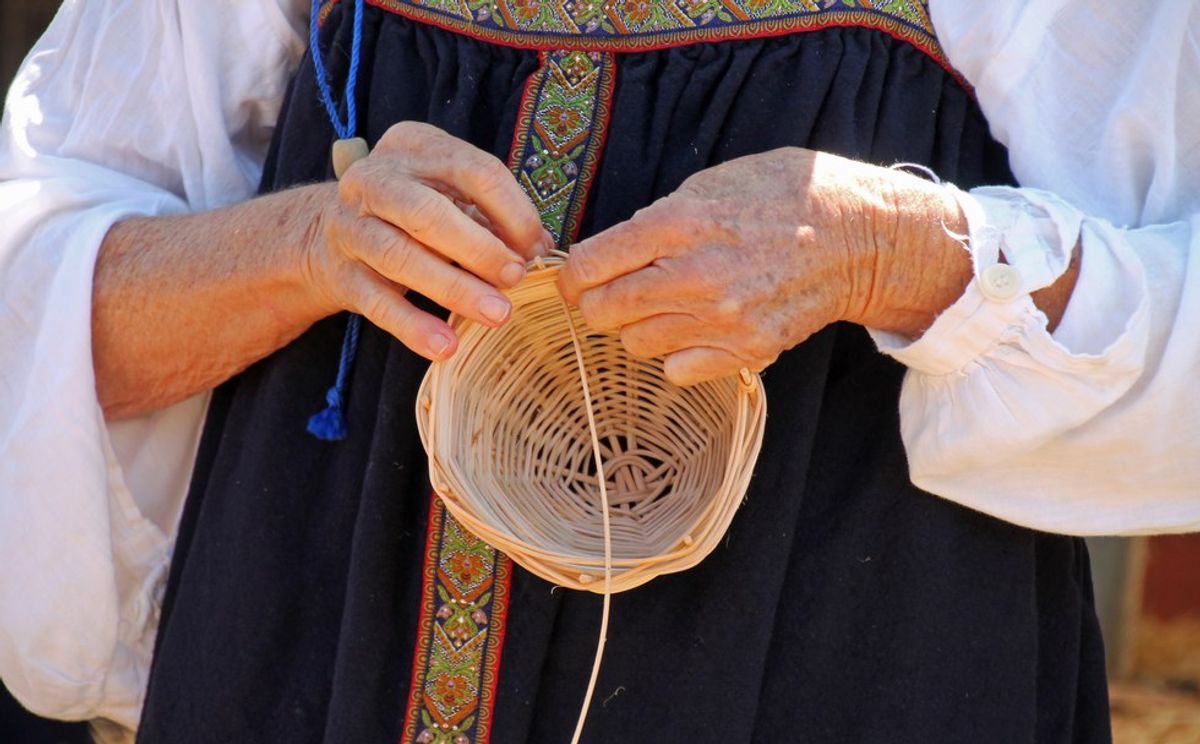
(344, 131)
(329, 424)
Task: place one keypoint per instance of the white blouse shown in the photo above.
(119, 112)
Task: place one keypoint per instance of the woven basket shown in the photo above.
(505, 423)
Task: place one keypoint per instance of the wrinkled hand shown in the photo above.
(751, 257)
(427, 212)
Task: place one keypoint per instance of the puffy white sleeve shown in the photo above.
(122, 109)
(1095, 428)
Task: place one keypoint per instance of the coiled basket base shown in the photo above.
(505, 425)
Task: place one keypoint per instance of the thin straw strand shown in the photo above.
(513, 449)
(604, 614)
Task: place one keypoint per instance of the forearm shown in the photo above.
(182, 303)
(1052, 300)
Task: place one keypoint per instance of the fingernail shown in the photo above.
(494, 308)
(438, 343)
(548, 243)
(512, 274)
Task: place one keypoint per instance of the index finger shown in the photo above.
(608, 255)
(481, 179)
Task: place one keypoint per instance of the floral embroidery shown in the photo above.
(639, 25)
(527, 10)
(460, 635)
(562, 121)
(560, 133)
(465, 583)
(638, 11)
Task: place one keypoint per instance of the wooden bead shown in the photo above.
(346, 152)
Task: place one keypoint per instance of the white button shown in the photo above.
(1000, 282)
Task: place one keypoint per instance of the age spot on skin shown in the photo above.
(729, 307)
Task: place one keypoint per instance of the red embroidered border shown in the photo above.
(466, 583)
(561, 128)
(736, 19)
(460, 636)
(786, 17)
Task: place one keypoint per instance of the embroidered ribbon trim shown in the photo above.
(641, 25)
(465, 583)
(560, 133)
(460, 636)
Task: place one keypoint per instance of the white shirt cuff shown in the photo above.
(1035, 233)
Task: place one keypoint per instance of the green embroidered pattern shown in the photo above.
(459, 637)
(631, 25)
(464, 606)
(563, 121)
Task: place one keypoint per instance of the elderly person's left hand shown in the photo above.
(751, 257)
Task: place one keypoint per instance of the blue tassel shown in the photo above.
(329, 424)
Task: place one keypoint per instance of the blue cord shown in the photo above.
(329, 424)
(344, 131)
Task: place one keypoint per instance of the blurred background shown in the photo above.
(1147, 589)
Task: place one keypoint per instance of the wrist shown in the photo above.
(304, 217)
(921, 266)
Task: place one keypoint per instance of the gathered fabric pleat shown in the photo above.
(844, 604)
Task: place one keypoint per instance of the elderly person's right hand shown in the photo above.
(181, 303)
(428, 212)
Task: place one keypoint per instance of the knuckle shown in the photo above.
(490, 175)
(592, 305)
(360, 187)
(727, 306)
(350, 185)
(726, 303)
(584, 267)
(396, 256)
(679, 370)
(426, 215)
(636, 343)
(406, 134)
(455, 292)
(485, 256)
(529, 223)
(377, 307)
(760, 345)
(351, 179)
(361, 245)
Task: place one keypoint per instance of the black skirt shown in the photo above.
(845, 605)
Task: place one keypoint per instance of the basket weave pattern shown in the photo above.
(504, 423)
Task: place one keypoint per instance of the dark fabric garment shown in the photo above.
(844, 606)
(19, 726)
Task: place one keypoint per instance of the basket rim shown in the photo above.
(706, 526)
